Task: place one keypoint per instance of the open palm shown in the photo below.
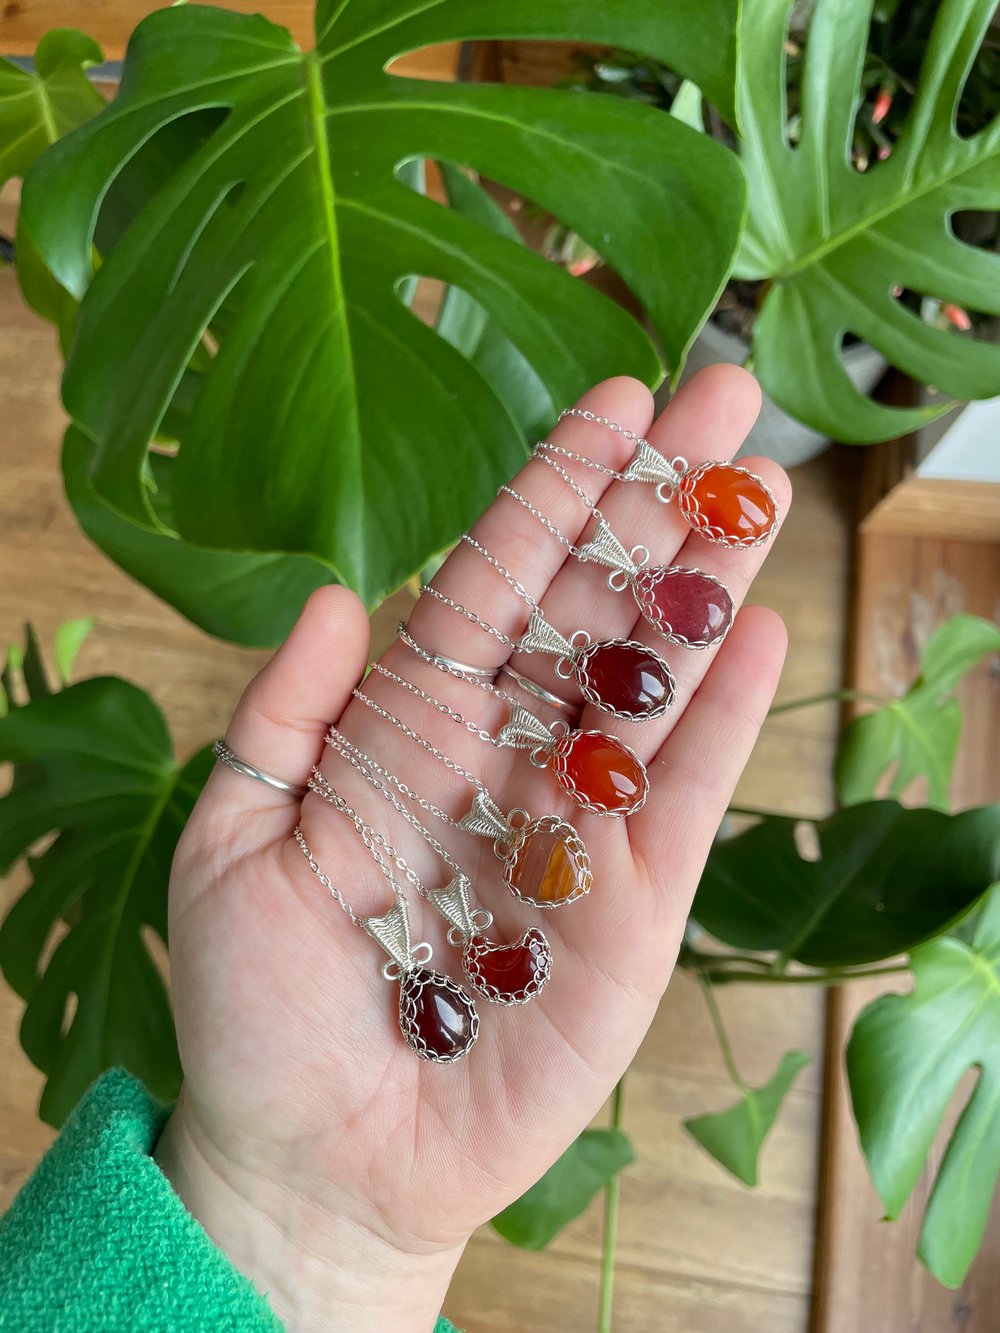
(306, 1126)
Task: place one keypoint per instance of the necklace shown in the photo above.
(686, 606)
(723, 502)
(437, 1018)
(601, 773)
(504, 973)
(543, 861)
(619, 676)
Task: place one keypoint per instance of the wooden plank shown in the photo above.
(867, 1275)
(23, 23)
(966, 511)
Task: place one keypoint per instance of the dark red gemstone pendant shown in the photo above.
(625, 678)
(600, 772)
(686, 606)
(508, 973)
(437, 1018)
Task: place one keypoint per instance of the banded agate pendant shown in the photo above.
(543, 861)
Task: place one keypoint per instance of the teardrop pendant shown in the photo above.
(686, 606)
(624, 678)
(437, 1018)
(600, 773)
(727, 504)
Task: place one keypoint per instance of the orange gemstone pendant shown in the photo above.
(727, 504)
(600, 772)
(546, 864)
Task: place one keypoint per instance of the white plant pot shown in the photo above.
(776, 434)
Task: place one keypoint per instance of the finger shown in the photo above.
(696, 770)
(282, 717)
(516, 539)
(708, 419)
(736, 570)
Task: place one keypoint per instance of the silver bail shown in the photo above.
(524, 731)
(649, 465)
(485, 819)
(605, 549)
(453, 903)
(540, 637)
(392, 931)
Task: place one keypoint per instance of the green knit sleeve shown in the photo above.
(97, 1240)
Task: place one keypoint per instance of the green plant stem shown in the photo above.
(841, 696)
(611, 1199)
(720, 1031)
(832, 977)
(692, 958)
(753, 813)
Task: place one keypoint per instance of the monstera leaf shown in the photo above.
(330, 422)
(36, 109)
(905, 1058)
(93, 765)
(885, 879)
(918, 734)
(566, 1190)
(834, 243)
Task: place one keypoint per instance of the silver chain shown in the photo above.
(542, 518)
(441, 707)
(543, 447)
(679, 463)
(323, 879)
(422, 741)
(471, 616)
(491, 559)
(614, 426)
(449, 667)
(368, 768)
(341, 743)
(372, 839)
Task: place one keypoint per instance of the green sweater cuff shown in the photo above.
(97, 1240)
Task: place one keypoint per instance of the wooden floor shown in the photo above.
(698, 1252)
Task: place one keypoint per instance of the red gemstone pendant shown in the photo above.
(727, 504)
(437, 1018)
(686, 606)
(600, 772)
(625, 678)
(508, 973)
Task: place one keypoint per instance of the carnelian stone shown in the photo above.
(600, 772)
(438, 1013)
(543, 869)
(685, 605)
(511, 971)
(727, 498)
(625, 677)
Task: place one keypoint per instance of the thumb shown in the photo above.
(280, 721)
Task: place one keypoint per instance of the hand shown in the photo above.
(340, 1172)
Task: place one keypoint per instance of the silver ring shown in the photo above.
(539, 691)
(223, 753)
(452, 664)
